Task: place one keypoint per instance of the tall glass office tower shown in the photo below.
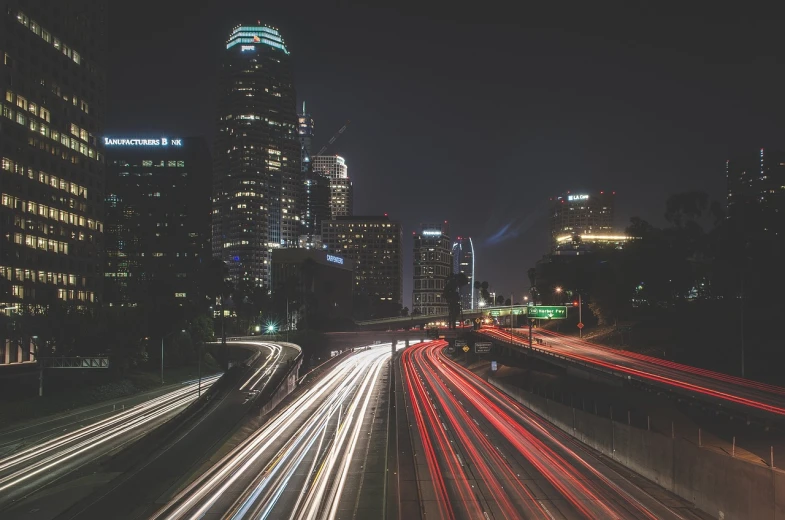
(257, 174)
(463, 262)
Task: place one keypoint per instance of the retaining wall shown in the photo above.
(722, 486)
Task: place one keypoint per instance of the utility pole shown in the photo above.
(742, 323)
(511, 304)
(288, 320)
(580, 316)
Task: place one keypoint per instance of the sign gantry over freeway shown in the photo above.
(548, 312)
(545, 312)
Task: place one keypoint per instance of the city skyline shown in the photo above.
(210, 305)
(580, 139)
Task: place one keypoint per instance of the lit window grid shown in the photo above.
(44, 178)
(49, 212)
(48, 38)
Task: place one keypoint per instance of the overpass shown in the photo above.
(422, 320)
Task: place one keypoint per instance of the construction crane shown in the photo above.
(333, 138)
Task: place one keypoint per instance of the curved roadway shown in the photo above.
(720, 387)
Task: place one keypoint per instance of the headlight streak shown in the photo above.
(348, 385)
(48, 457)
(275, 355)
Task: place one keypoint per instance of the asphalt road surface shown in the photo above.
(480, 455)
(323, 455)
(39, 454)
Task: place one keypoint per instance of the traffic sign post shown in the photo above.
(580, 325)
(466, 348)
(482, 347)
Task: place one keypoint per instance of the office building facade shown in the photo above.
(53, 88)
(315, 202)
(463, 262)
(432, 266)
(157, 220)
(756, 193)
(334, 168)
(305, 129)
(581, 214)
(319, 286)
(256, 170)
(374, 245)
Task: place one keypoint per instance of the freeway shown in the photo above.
(482, 455)
(136, 478)
(88, 435)
(322, 455)
(732, 390)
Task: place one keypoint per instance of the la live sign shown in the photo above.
(162, 141)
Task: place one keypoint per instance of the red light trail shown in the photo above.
(713, 384)
(503, 460)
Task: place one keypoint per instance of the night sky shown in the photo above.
(478, 116)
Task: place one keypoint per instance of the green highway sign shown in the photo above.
(552, 312)
(496, 313)
(517, 311)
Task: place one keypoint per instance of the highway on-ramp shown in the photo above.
(734, 391)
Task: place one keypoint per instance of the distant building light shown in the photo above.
(247, 48)
(577, 197)
(431, 233)
(595, 238)
(335, 259)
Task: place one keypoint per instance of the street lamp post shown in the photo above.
(512, 296)
(162, 351)
(580, 318)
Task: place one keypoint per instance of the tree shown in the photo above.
(531, 273)
(405, 311)
(507, 302)
(452, 295)
(485, 296)
(499, 299)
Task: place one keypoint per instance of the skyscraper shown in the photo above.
(374, 244)
(341, 191)
(756, 192)
(305, 128)
(581, 214)
(463, 262)
(257, 173)
(432, 266)
(53, 85)
(315, 203)
(157, 220)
